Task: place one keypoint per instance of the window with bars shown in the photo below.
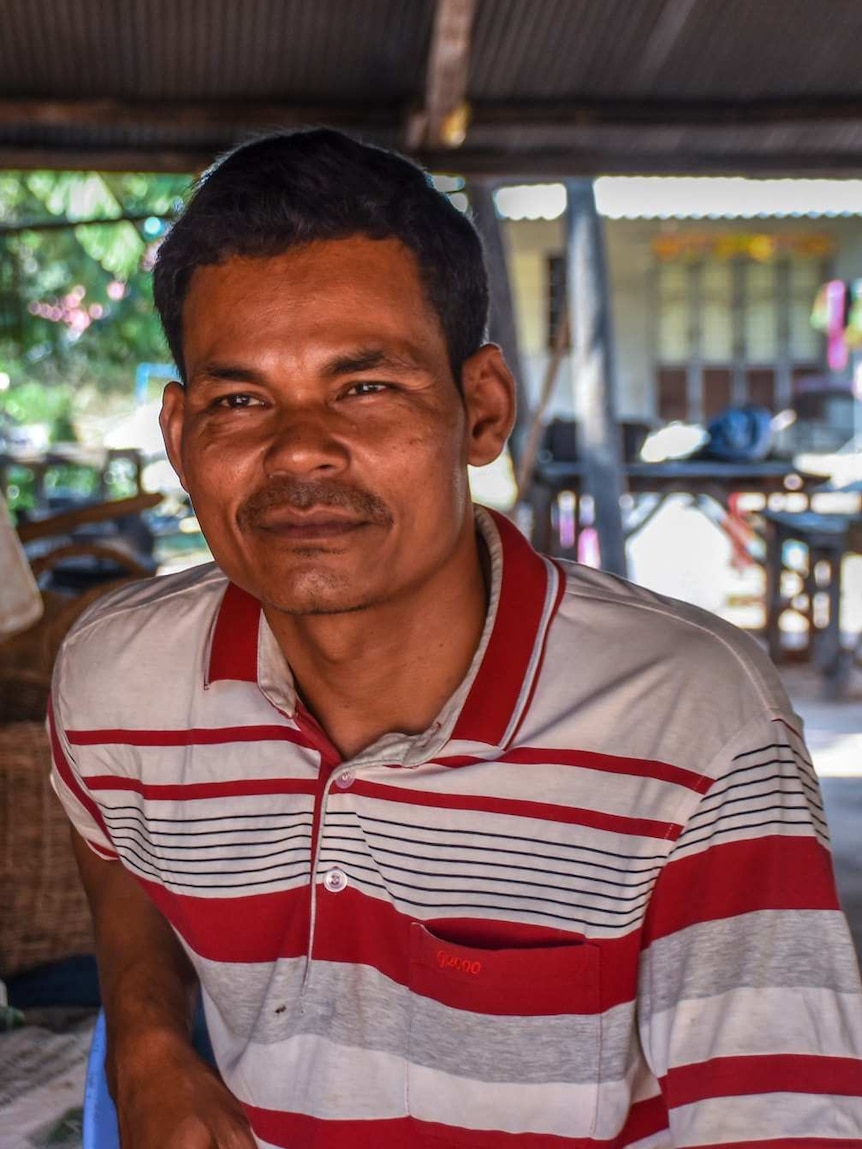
(558, 296)
(732, 331)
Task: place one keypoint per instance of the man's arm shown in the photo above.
(749, 998)
(166, 1096)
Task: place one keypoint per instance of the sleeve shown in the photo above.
(66, 778)
(750, 1009)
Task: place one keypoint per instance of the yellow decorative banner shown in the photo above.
(761, 247)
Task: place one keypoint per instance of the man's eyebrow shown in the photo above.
(227, 372)
(370, 359)
(348, 363)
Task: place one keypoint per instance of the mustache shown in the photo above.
(303, 496)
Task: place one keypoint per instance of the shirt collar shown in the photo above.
(233, 648)
(526, 592)
(488, 708)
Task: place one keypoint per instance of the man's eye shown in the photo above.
(367, 388)
(238, 401)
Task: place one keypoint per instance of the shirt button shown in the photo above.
(335, 881)
(344, 779)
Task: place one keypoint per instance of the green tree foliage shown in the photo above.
(75, 295)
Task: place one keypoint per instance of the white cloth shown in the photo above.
(20, 601)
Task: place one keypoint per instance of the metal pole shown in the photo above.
(595, 376)
(503, 328)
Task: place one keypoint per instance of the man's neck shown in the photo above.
(391, 667)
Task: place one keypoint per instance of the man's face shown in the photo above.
(321, 436)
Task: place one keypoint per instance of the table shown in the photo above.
(827, 539)
(721, 481)
(96, 459)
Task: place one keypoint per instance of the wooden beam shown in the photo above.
(448, 92)
(217, 114)
(442, 120)
(595, 372)
(551, 163)
(548, 114)
(106, 159)
(511, 163)
(532, 140)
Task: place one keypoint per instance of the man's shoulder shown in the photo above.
(167, 612)
(691, 656)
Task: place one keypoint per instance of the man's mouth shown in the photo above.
(312, 511)
(289, 524)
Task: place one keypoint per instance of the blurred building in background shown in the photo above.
(713, 284)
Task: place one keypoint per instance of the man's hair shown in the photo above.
(282, 191)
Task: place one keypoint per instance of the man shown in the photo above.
(464, 847)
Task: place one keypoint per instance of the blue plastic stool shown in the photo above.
(100, 1117)
(101, 1130)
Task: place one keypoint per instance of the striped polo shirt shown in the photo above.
(591, 905)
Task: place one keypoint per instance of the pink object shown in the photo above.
(836, 344)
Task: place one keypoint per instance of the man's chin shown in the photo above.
(315, 605)
(320, 596)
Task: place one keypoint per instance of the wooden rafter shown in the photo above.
(539, 114)
(442, 121)
(501, 162)
(122, 113)
(535, 139)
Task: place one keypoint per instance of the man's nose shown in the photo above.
(305, 442)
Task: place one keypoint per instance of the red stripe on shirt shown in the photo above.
(590, 760)
(209, 736)
(191, 791)
(517, 808)
(352, 928)
(645, 1119)
(793, 873)
(68, 776)
(254, 928)
(499, 683)
(108, 855)
(541, 981)
(788, 1143)
(289, 1130)
(773, 1073)
(528, 701)
(233, 652)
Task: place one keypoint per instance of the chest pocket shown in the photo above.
(502, 1040)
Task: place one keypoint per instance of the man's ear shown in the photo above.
(489, 400)
(171, 420)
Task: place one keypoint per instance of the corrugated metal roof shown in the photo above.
(214, 49)
(577, 85)
(731, 49)
(556, 49)
(765, 49)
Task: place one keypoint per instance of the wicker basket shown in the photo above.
(43, 912)
(33, 651)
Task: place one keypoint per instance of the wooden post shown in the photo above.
(739, 383)
(694, 375)
(503, 329)
(595, 377)
(443, 120)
